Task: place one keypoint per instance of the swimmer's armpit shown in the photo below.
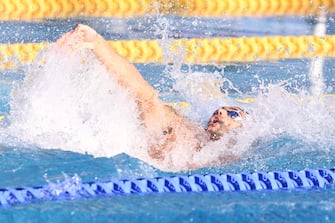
(163, 144)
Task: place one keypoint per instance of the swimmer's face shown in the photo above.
(223, 120)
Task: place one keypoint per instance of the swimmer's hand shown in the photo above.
(82, 37)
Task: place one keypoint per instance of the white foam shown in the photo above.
(275, 113)
(72, 103)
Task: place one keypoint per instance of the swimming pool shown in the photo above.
(291, 135)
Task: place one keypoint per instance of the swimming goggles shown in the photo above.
(233, 113)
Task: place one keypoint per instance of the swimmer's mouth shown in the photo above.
(216, 121)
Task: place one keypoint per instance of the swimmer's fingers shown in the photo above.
(88, 34)
(82, 37)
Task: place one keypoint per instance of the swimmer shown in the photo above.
(166, 126)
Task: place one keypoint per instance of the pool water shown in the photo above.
(288, 142)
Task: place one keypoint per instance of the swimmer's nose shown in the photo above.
(220, 113)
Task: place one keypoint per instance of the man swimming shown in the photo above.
(167, 128)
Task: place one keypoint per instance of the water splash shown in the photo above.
(72, 103)
(303, 116)
(317, 63)
(68, 186)
(276, 113)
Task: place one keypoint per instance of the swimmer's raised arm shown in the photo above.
(155, 114)
(127, 75)
(125, 72)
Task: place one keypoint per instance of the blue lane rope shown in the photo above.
(304, 179)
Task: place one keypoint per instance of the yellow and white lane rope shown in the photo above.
(197, 50)
(58, 9)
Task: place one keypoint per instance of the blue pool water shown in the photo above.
(290, 142)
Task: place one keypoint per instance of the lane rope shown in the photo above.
(258, 181)
(58, 9)
(197, 50)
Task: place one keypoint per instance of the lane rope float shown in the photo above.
(197, 50)
(60, 9)
(258, 181)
